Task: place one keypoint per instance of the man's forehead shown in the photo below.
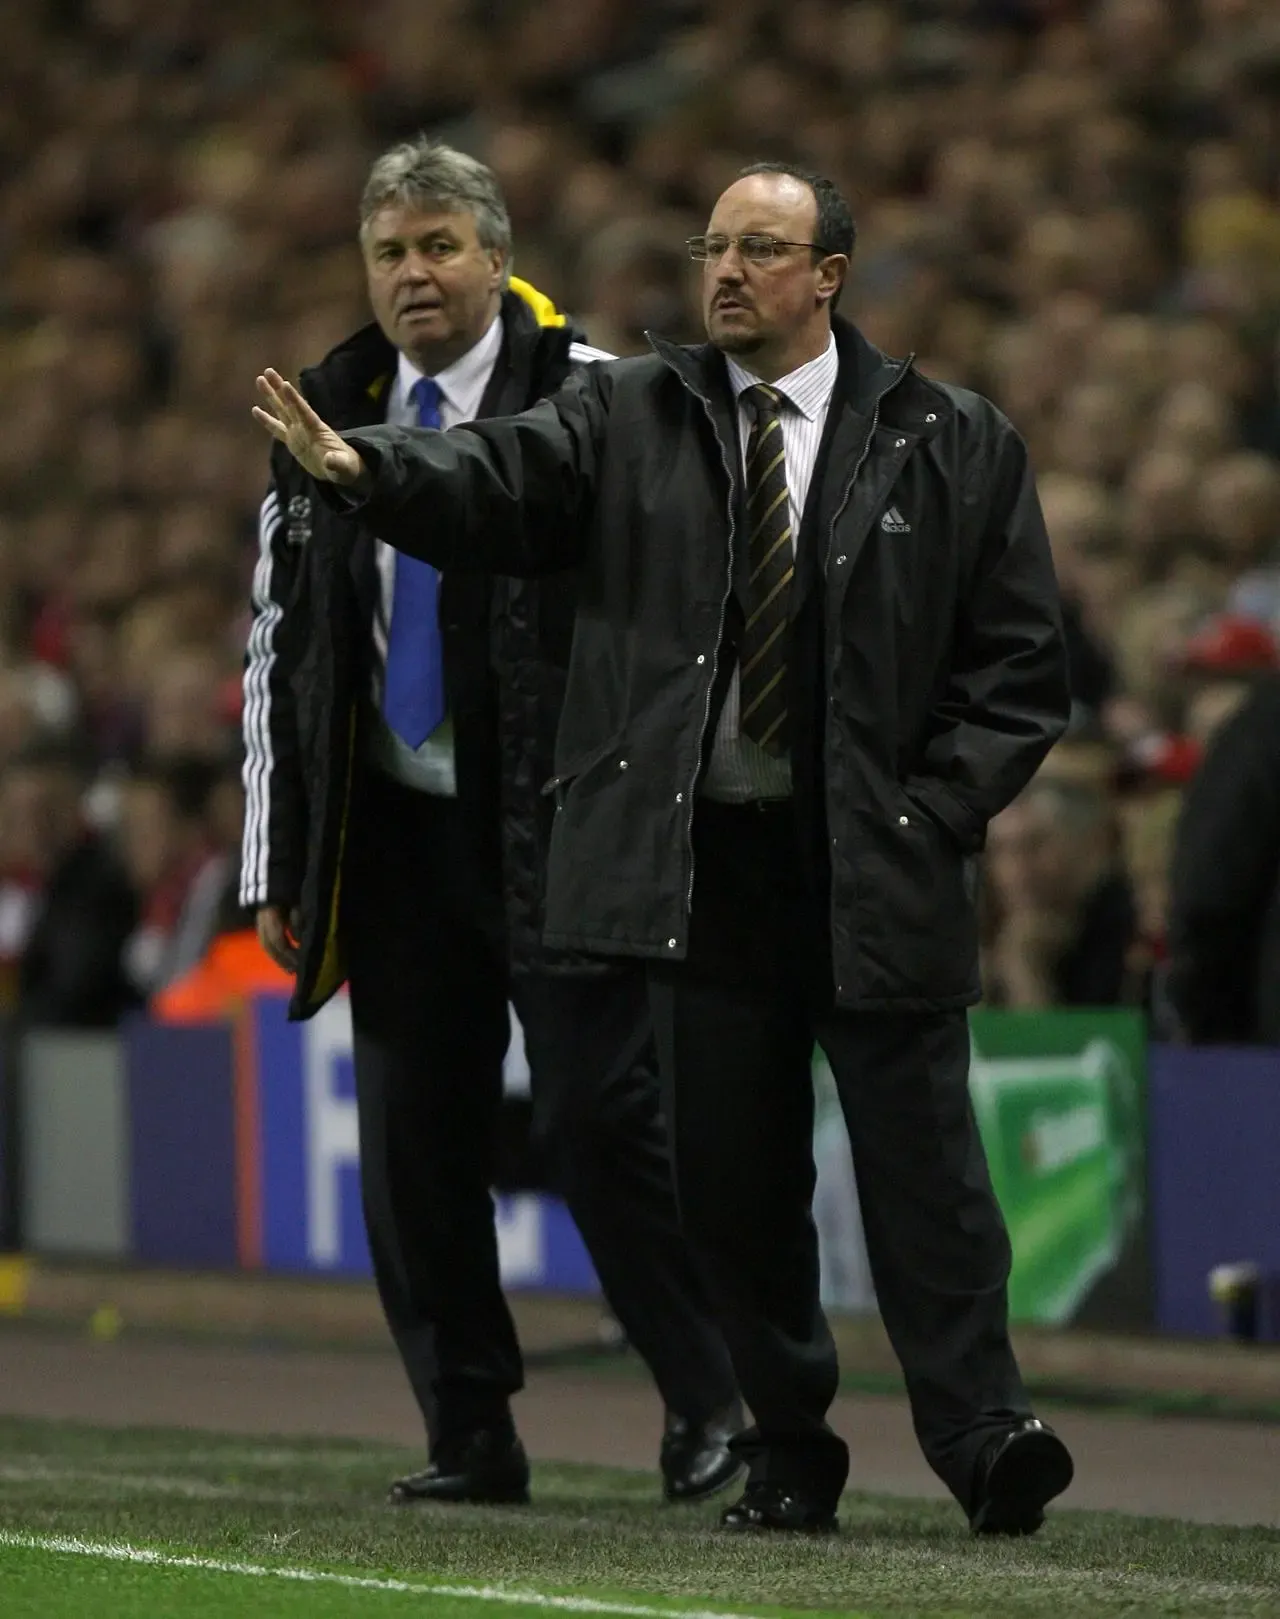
(765, 202)
(397, 221)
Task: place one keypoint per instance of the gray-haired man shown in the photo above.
(398, 728)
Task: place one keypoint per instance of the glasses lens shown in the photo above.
(697, 246)
(759, 249)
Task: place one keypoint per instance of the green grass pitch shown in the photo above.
(128, 1524)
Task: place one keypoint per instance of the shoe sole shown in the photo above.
(1031, 1472)
(714, 1486)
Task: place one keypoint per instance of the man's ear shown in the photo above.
(831, 274)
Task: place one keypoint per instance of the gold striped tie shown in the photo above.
(771, 564)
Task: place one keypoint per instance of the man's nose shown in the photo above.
(730, 268)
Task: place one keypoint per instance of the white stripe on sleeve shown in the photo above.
(584, 354)
(259, 753)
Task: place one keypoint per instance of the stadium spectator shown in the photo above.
(1224, 971)
(1219, 664)
(180, 875)
(71, 908)
(1065, 907)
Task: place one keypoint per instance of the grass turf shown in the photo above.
(42, 1583)
(592, 1533)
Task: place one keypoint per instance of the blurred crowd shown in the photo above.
(1074, 208)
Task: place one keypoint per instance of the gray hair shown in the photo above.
(425, 173)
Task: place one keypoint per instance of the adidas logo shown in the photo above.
(893, 522)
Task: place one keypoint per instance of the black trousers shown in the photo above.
(429, 983)
(736, 1025)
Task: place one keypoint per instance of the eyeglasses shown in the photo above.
(755, 249)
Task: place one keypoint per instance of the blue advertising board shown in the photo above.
(1215, 1179)
(182, 1146)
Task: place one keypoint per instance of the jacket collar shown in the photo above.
(351, 383)
(866, 373)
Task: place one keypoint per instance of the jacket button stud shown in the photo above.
(679, 798)
(702, 657)
(840, 561)
(931, 417)
(622, 764)
(898, 443)
(671, 944)
(903, 821)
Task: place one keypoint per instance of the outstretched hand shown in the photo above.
(313, 444)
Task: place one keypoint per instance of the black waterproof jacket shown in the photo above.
(943, 668)
(308, 669)
(1224, 922)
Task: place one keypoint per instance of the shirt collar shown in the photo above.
(461, 384)
(808, 388)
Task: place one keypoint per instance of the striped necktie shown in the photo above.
(771, 564)
(413, 697)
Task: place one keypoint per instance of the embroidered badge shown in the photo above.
(299, 520)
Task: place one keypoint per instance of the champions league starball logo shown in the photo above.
(299, 520)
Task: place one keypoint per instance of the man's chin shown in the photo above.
(730, 337)
(424, 328)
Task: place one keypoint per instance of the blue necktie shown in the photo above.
(413, 701)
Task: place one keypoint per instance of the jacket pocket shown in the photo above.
(917, 925)
(580, 767)
(935, 803)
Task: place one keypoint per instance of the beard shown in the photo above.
(731, 339)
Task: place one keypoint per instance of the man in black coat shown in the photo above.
(817, 648)
(71, 974)
(1224, 906)
(398, 727)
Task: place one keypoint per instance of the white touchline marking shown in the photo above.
(121, 1552)
(873, 1561)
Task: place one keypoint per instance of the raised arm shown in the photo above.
(511, 495)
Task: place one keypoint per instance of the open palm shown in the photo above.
(313, 443)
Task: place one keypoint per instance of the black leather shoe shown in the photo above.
(1016, 1473)
(487, 1468)
(766, 1506)
(695, 1458)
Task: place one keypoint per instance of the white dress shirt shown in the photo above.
(430, 768)
(740, 769)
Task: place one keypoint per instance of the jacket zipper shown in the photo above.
(866, 451)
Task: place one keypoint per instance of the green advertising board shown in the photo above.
(1060, 1102)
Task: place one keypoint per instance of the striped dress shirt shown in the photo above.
(739, 770)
